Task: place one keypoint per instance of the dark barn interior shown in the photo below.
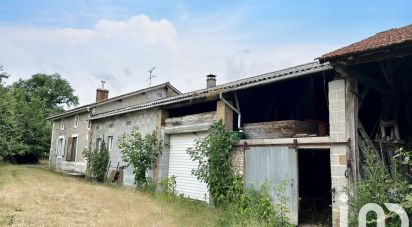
(314, 187)
(296, 99)
(192, 109)
(385, 107)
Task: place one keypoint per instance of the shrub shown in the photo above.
(215, 156)
(240, 207)
(140, 153)
(378, 185)
(168, 185)
(254, 207)
(97, 162)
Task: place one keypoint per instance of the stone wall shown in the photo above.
(82, 133)
(238, 160)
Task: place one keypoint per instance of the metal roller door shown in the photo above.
(180, 166)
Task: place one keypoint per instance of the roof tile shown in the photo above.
(383, 39)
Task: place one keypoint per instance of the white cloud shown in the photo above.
(121, 52)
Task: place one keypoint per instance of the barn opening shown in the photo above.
(302, 100)
(315, 197)
(194, 108)
(385, 108)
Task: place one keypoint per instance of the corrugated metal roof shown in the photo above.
(112, 99)
(76, 110)
(84, 108)
(288, 73)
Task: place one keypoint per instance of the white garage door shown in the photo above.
(180, 166)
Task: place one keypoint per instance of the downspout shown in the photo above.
(237, 110)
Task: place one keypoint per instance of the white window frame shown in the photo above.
(60, 152)
(76, 121)
(77, 144)
(62, 124)
(110, 143)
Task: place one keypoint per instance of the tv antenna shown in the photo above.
(151, 76)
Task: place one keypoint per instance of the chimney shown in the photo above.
(210, 81)
(102, 93)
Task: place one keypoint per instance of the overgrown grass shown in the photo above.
(39, 197)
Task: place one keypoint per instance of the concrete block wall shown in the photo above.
(338, 153)
(224, 113)
(144, 121)
(337, 109)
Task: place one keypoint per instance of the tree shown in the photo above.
(52, 89)
(29, 130)
(5, 114)
(3, 75)
(24, 106)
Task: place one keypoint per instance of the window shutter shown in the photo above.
(57, 147)
(69, 149)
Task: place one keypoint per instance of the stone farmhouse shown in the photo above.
(307, 124)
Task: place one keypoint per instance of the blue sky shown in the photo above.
(118, 41)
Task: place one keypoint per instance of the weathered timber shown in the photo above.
(207, 117)
(279, 129)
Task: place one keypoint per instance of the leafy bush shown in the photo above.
(254, 207)
(97, 162)
(240, 207)
(140, 152)
(379, 185)
(215, 156)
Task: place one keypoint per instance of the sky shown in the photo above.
(87, 41)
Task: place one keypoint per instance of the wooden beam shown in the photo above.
(347, 71)
(362, 96)
(351, 116)
(376, 55)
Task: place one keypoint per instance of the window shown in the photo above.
(60, 146)
(76, 121)
(72, 149)
(110, 143)
(128, 122)
(62, 124)
(98, 143)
